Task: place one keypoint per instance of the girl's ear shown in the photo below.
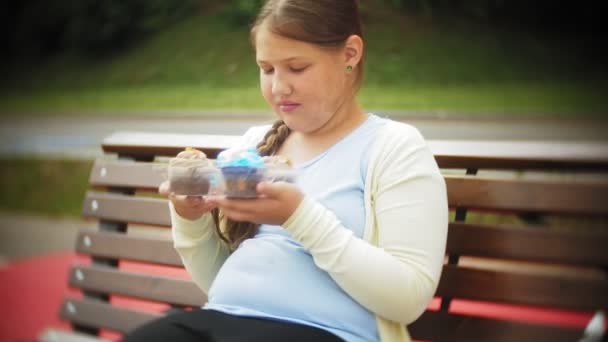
(353, 50)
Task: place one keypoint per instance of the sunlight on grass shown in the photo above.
(51, 187)
(529, 100)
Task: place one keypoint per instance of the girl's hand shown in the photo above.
(188, 207)
(276, 204)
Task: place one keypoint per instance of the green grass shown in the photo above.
(50, 187)
(205, 63)
(514, 100)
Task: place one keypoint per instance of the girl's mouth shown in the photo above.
(288, 106)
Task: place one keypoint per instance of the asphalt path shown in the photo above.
(80, 137)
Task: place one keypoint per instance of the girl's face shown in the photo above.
(303, 83)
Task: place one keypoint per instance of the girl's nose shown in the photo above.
(280, 86)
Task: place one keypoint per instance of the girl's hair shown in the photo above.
(325, 23)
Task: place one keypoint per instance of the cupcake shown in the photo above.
(191, 173)
(242, 170)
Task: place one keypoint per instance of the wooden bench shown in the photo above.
(528, 228)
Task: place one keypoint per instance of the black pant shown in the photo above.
(215, 326)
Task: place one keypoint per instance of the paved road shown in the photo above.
(25, 235)
(80, 137)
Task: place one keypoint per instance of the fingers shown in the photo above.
(191, 207)
(235, 204)
(164, 189)
(272, 189)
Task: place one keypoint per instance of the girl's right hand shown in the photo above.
(188, 207)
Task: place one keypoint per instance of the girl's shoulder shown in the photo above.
(398, 135)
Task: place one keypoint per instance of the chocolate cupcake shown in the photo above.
(242, 171)
(191, 173)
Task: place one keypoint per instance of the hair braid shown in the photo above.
(235, 232)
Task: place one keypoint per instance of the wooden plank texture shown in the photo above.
(165, 144)
(140, 175)
(97, 314)
(556, 291)
(449, 153)
(465, 191)
(543, 155)
(54, 335)
(138, 285)
(122, 246)
(587, 198)
(124, 208)
(523, 243)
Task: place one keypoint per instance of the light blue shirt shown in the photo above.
(272, 276)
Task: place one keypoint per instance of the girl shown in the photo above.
(354, 250)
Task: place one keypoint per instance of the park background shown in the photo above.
(539, 64)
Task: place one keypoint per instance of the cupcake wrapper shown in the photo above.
(241, 182)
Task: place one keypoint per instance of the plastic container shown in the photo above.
(241, 181)
(280, 175)
(194, 181)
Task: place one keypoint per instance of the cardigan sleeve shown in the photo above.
(397, 278)
(202, 251)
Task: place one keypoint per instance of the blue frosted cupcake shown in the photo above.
(242, 171)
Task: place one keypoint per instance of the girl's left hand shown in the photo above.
(276, 204)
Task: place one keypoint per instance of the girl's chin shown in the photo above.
(299, 126)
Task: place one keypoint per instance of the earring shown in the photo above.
(349, 68)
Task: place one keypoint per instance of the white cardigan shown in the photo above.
(394, 270)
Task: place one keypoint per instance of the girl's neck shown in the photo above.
(300, 147)
(348, 117)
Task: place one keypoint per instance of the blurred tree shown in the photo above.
(481, 9)
(37, 28)
(105, 25)
(540, 15)
(32, 28)
(243, 12)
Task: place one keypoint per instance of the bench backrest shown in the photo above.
(516, 236)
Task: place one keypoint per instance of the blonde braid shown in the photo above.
(236, 232)
(274, 139)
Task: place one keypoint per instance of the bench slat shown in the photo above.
(527, 195)
(97, 314)
(448, 153)
(523, 243)
(121, 246)
(493, 241)
(165, 144)
(463, 191)
(138, 285)
(139, 175)
(124, 208)
(54, 335)
(545, 155)
(455, 282)
(565, 292)
(440, 326)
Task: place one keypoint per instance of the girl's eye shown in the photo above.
(267, 71)
(298, 70)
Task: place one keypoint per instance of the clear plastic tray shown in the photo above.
(195, 181)
(231, 182)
